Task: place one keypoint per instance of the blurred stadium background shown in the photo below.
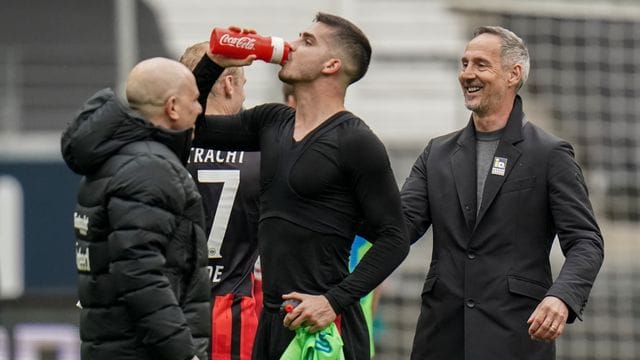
(584, 86)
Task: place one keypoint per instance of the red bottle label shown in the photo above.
(240, 45)
(243, 42)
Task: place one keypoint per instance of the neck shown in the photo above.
(495, 120)
(218, 106)
(158, 120)
(315, 104)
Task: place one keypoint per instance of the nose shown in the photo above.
(467, 73)
(294, 44)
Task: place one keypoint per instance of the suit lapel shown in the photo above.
(463, 165)
(494, 182)
(506, 151)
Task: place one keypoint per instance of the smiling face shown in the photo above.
(487, 84)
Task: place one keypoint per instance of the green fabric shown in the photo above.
(325, 344)
(366, 303)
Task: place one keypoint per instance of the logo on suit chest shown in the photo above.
(499, 166)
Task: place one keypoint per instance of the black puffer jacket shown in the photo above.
(141, 250)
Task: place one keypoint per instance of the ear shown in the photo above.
(227, 86)
(332, 66)
(170, 108)
(515, 75)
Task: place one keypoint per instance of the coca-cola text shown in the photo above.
(239, 42)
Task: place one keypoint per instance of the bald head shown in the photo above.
(151, 82)
(164, 91)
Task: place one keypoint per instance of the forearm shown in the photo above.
(377, 192)
(206, 73)
(578, 232)
(379, 262)
(577, 275)
(415, 199)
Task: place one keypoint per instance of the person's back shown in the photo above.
(229, 184)
(140, 246)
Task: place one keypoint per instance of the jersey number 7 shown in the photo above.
(230, 180)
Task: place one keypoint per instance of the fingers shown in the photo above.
(293, 319)
(548, 320)
(246, 61)
(548, 332)
(313, 311)
(301, 318)
(292, 295)
(238, 29)
(558, 331)
(544, 331)
(225, 62)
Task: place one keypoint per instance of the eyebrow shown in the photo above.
(307, 35)
(475, 58)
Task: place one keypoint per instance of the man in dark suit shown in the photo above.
(497, 193)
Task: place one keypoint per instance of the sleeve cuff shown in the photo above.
(335, 305)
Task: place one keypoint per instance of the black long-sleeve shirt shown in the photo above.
(314, 193)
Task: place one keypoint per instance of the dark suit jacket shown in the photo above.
(489, 272)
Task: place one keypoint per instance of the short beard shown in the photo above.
(478, 109)
(283, 78)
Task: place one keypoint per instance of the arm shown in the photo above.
(209, 69)
(581, 243)
(206, 73)
(366, 164)
(578, 231)
(415, 198)
(376, 191)
(141, 212)
(233, 132)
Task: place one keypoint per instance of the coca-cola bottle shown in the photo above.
(239, 45)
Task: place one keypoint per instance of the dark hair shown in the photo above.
(350, 39)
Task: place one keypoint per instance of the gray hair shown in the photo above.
(513, 49)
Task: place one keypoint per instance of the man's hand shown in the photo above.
(226, 62)
(547, 321)
(313, 311)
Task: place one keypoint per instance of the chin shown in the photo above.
(470, 105)
(282, 76)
